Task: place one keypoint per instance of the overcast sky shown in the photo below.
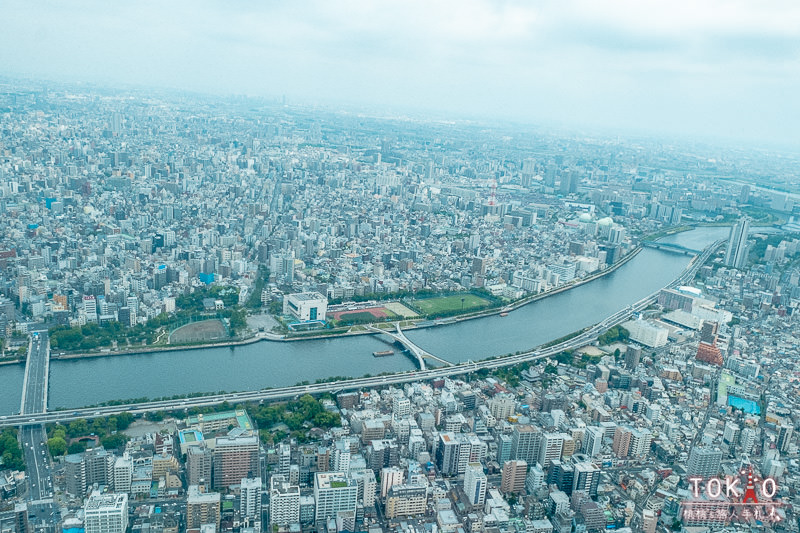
(722, 68)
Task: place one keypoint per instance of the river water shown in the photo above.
(80, 382)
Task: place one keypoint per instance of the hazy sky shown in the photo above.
(704, 67)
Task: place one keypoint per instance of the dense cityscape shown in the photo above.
(144, 222)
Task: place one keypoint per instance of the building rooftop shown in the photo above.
(306, 296)
(240, 416)
(194, 496)
(99, 501)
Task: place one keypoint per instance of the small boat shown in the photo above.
(384, 353)
(505, 313)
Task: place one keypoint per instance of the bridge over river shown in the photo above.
(419, 354)
(670, 247)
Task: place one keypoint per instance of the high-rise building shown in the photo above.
(285, 459)
(106, 513)
(250, 507)
(340, 458)
(649, 521)
(551, 447)
(535, 479)
(334, 492)
(513, 479)
(75, 475)
(709, 353)
(401, 406)
(475, 484)
(235, 457)
(708, 332)
(569, 181)
(633, 355)
(367, 486)
(503, 448)
(406, 500)
(525, 443)
(731, 432)
(116, 122)
(202, 508)
(640, 443)
(198, 465)
(562, 475)
(631, 442)
(586, 478)
(455, 450)
(123, 474)
(90, 308)
(622, 441)
(736, 253)
(747, 440)
(99, 466)
(390, 476)
(593, 440)
(284, 502)
(785, 432)
(502, 406)
(704, 462)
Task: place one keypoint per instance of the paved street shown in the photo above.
(42, 512)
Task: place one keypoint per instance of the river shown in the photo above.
(80, 382)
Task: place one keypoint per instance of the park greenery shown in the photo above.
(433, 304)
(614, 334)
(298, 416)
(72, 438)
(275, 420)
(254, 298)
(450, 305)
(91, 335)
(10, 451)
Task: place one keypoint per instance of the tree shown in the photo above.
(327, 420)
(76, 447)
(112, 442)
(78, 428)
(10, 450)
(156, 416)
(57, 446)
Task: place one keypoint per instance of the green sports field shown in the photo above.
(450, 304)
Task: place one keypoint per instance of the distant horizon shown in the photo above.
(390, 112)
(710, 70)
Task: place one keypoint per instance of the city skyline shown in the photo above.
(468, 267)
(712, 70)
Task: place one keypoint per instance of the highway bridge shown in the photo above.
(670, 247)
(581, 339)
(419, 354)
(43, 514)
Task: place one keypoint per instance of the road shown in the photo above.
(43, 515)
(586, 336)
(34, 387)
